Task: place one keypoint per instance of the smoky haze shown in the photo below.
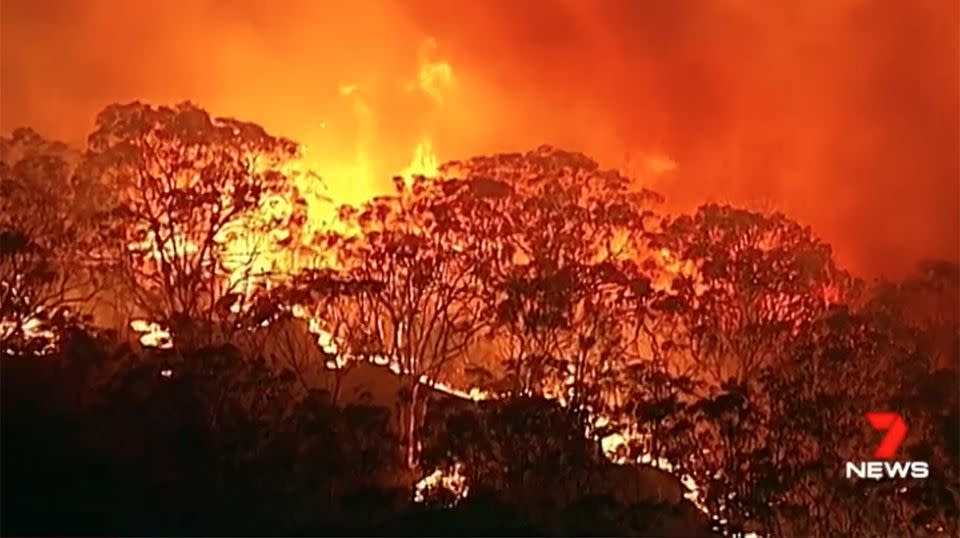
(842, 113)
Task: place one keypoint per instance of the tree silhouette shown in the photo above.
(756, 281)
(48, 224)
(201, 202)
(404, 289)
(922, 311)
(561, 277)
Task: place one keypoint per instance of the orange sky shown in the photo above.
(843, 113)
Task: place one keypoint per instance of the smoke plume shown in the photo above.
(842, 113)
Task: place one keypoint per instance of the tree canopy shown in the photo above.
(658, 373)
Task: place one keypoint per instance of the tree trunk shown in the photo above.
(410, 427)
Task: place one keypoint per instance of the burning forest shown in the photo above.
(620, 269)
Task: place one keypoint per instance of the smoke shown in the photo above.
(842, 113)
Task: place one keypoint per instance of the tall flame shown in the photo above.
(424, 162)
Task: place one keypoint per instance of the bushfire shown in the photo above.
(533, 274)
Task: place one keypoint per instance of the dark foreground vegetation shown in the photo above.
(192, 454)
(295, 389)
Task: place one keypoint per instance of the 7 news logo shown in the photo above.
(882, 466)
